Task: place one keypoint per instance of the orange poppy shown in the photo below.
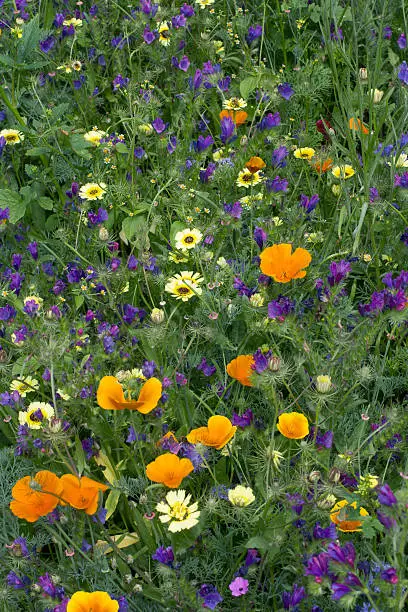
(238, 117)
(293, 425)
(282, 265)
(323, 166)
(37, 496)
(169, 469)
(358, 126)
(110, 395)
(217, 434)
(81, 493)
(240, 369)
(339, 516)
(255, 164)
(98, 601)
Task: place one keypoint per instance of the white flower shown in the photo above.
(187, 239)
(177, 512)
(24, 386)
(184, 285)
(241, 496)
(35, 414)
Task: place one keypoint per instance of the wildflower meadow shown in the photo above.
(203, 305)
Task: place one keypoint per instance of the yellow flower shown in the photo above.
(98, 601)
(126, 375)
(401, 161)
(17, 32)
(247, 179)
(76, 65)
(367, 257)
(77, 23)
(256, 300)
(234, 104)
(304, 153)
(241, 496)
(94, 136)
(11, 136)
(187, 239)
(323, 383)
(343, 172)
(205, 3)
(177, 512)
(145, 128)
(367, 483)
(24, 386)
(184, 285)
(164, 34)
(36, 413)
(92, 191)
(177, 257)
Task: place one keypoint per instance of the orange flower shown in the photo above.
(98, 601)
(36, 497)
(240, 369)
(282, 265)
(323, 166)
(217, 434)
(293, 425)
(255, 164)
(339, 516)
(169, 469)
(110, 395)
(238, 117)
(81, 493)
(358, 126)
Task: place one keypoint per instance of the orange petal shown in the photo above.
(149, 396)
(240, 369)
(274, 259)
(99, 601)
(110, 394)
(240, 117)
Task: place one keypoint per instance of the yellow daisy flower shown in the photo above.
(35, 414)
(343, 172)
(187, 239)
(92, 191)
(11, 136)
(234, 104)
(205, 3)
(241, 496)
(94, 136)
(24, 386)
(77, 23)
(248, 179)
(185, 285)
(177, 512)
(304, 153)
(164, 34)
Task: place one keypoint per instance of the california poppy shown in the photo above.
(81, 493)
(340, 518)
(37, 496)
(323, 166)
(169, 469)
(217, 434)
(110, 395)
(239, 117)
(293, 425)
(356, 125)
(98, 601)
(255, 164)
(240, 369)
(282, 265)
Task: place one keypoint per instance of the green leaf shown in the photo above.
(46, 203)
(37, 151)
(248, 85)
(80, 146)
(51, 223)
(11, 200)
(177, 226)
(112, 501)
(121, 147)
(130, 225)
(393, 58)
(79, 300)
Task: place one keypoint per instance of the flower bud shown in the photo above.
(256, 300)
(103, 234)
(157, 315)
(336, 189)
(327, 502)
(274, 363)
(334, 475)
(377, 95)
(314, 476)
(323, 383)
(362, 74)
(3, 356)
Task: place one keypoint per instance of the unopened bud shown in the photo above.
(314, 476)
(377, 95)
(327, 502)
(103, 234)
(274, 364)
(334, 475)
(323, 383)
(157, 315)
(362, 74)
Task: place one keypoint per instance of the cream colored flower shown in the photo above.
(177, 512)
(241, 496)
(184, 285)
(188, 239)
(77, 23)
(256, 300)
(94, 136)
(205, 3)
(323, 383)
(36, 414)
(234, 104)
(92, 191)
(145, 128)
(25, 385)
(11, 136)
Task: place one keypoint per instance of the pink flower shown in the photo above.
(239, 587)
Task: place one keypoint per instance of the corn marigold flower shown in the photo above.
(11, 136)
(37, 496)
(338, 515)
(304, 153)
(185, 285)
(36, 413)
(187, 239)
(241, 496)
(110, 395)
(92, 191)
(241, 369)
(81, 493)
(343, 172)
(164, 34)
(169, 470)
(293, 425)
(217, 434)
(177, 511)
(24, 386)
(234, 104)
(94, 136)
(282, 265)
(255, 164)
(246, 178)
(98, 601)
(77, 23)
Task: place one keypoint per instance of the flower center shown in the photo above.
(189, 239)
(183, 290)
(179, 511)
(93, 191)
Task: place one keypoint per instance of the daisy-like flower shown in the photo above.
(184, 285)
(304, 153)
(164, 34)
(401, 161)
(205, 3)
(92, 191)
(248, 179)
(177, 257)
(12, 137)
(134, 374)
(94, 136)
(241, 496)
(234, 104)
(36, 414)
(343, 172)
(77, 23)
(187, 239)
(24, 386)
(177, 512)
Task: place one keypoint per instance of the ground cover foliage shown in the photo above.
(203, 328)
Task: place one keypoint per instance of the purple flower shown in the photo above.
(206, 368)
(254, 32)
(324, 440)
(203, 142)
(227, 129)
(402, 41)
(206, 174)
(293, 598)
(242, 288)
(47, 44)
(261, 361)
(132, 263)
(324, 533)
(16, 281)
(210, 595)
(338, 271)
(280, 308)
(159, 125)
(149, 368)
(17, 583)
(99, 217)
(318, 566)
(239, 587)
(278, 157)
(16, 261)
(49, 588)
(345, 554)
(120, 82)
(184, 63)
(164, 555)
(309, 204)
(244, 420)
(260, 237)
(197, 80)
(234, 210)
(385, 496)
(252, 557)
(149, 35)
(339, 590)
(187, 10)
(402, 181)
(390, 575)
(277, 184)
(7, 313)
(271, 120)
(285, 90)
(387, 32)
(403, 74)
(4, 214)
